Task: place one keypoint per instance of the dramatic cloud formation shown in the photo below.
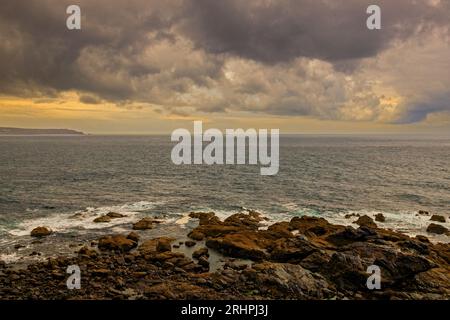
(310, 58)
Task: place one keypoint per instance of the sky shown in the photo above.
(151, 66)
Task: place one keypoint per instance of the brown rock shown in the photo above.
(437, 218)
(144, 224)
(423, 212)
(87, 252)
(116, 242)
(437, 229)
(133, 236)
(115, 215)
(205, 217)
(189, 243)
(366, 221)
(196, 235)
(203, 261)
(239, 245)
(200, 252)
(163, 245)
(102, 219)
(380, 217)
(41, 232)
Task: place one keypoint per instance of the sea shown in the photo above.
(65, 182)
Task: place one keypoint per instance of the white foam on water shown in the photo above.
(9, 257)
(84, 219)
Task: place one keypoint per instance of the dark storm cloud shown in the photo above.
(278, 31)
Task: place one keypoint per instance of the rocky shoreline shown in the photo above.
(304, 258)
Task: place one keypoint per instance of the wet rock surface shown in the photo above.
(304, 258)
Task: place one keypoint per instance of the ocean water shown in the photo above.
(64, 182)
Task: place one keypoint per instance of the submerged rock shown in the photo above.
(380, 217)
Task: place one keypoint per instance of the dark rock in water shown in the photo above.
(437, 229)
(351, 215)
(115, 215)
(366, 221)
(163, 245)
(251, 220)
(189, 243)
(144, 224)
(380, 217)
(200, 252)
(102, 219)
(423, 212)
(437, 218)
(41, 232)
(196, 235)
(116, 242)
(205, 217)
(133, 236)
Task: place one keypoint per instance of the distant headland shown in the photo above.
(23, 131)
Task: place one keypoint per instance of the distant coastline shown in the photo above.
(4, 131)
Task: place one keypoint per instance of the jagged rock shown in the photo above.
(281, 277)
(380, 217)
(41, 232)
(437, 218)
(437, 229)
(291, 250)
(116, 242)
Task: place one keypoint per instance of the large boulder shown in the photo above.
(116, 243)
(41, 232)
(247, 245)
(437, 229)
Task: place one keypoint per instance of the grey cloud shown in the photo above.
(169, 53)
